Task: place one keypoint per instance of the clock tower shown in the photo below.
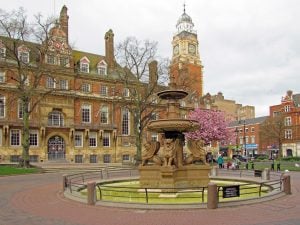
(186, 67)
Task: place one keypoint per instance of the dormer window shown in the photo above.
(102, 68)
(23, 54)
(85, 65)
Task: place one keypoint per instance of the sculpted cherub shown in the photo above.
(197, 150)
(150, 153)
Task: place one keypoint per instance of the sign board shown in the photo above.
(231, 191)
(251, 146)
(257, 173)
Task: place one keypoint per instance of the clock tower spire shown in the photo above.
(186, 65)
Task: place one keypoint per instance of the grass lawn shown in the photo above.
(13, 170)
(283, 166)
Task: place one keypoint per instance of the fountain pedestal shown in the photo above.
(170, 177)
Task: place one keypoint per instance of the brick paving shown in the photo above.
(37, 200)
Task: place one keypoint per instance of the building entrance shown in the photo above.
(56, 148)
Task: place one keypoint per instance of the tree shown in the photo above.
(143, 76)
(213, 126)
(26, 44)
(272, 131)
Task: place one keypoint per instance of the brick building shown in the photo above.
(289, 109)
(85, 120)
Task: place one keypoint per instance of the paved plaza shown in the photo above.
(37, 200)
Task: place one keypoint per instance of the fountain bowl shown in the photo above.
(179, 125)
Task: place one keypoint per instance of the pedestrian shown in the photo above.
(220, 161)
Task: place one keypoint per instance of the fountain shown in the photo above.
(169, 169)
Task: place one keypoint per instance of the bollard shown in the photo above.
(91, 193)
(212, 196)
(287, 184)
(65, 182)
(266, 174)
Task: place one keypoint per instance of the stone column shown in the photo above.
(266, 174)
(212, 196)
(91, 193)
(287, 184)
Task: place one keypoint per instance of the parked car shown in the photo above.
(240, 157)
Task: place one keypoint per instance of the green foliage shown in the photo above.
(13, 170)
(291, 159)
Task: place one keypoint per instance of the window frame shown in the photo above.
(125, 124)
(80, 135)
(17, 138)
(86, 87)
(86, 113)
(2, 107)
(23, 56)
(93, 140)
(50, 82)
(106, 139)
(34, 137)
(103, 90)
(2, 76)
(104, 113)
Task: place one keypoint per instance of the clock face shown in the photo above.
(192, 48)
(176, 50)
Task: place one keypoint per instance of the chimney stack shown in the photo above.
(64, 21)
(109, 49)
(153, 75)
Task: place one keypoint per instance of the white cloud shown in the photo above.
(250, 49)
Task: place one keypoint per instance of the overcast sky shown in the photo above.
(250, 49)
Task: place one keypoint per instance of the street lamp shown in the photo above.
(236, 140)
(244, 136)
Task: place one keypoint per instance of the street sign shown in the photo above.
(231, 191)
(251, 146)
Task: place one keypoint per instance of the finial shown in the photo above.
(184, 7)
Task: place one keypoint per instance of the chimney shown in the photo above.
(153, 76)
(109, 49)
(64, 21)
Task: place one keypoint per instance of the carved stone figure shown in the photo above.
(150, 153)
(169, 152)
(197, 151)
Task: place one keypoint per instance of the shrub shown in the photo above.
(291, 158)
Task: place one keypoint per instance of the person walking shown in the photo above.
(220, 161)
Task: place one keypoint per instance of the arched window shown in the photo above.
(56, 118)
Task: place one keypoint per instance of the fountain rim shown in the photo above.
(176, 94)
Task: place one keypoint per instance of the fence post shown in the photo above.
(266, 174)
(212, 196)
(287, 184)
(65, 182)
(91, 193)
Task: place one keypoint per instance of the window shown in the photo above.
(287, 108)
(33, 138)
(288, 134)
(154, 116)
(125, 122)
(125, 157)
(2, 52)
(247, 139)
(104, 114)
(241, 140)
(85, 65)
(78, 137)
(287, 121)
(102, 68)
(64, 61)
(253, 139)
(276, 114)
(63, 84)
(93, 158)
(56, 118)
(103, 90)
(25, 79)
(2, 77)
(50, 83)
(126, 92)
(252, 129)
(93, 139)
(20, 110)
(2, 106)
(15, 137)
(86, 113)
(86, 87)
(106, 139)
(24, 56)
(154, 137)
(106, 158)
(50, 59)
(246, 129)
(78, 158)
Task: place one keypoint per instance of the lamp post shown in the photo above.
(244, 136)
(236, 141)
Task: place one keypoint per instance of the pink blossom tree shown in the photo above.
(213, 126)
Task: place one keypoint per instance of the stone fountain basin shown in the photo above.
(180, 125)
